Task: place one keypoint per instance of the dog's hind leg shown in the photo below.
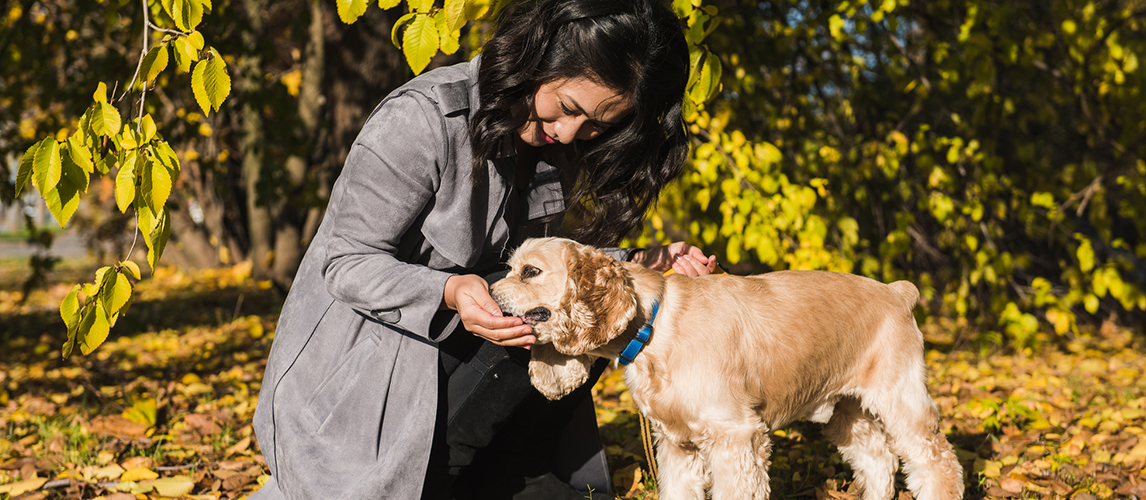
(863, 443)
(912, 420)
(682, 473)
(739, 461)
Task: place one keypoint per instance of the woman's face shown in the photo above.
(569, 109)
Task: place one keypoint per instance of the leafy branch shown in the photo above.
(147, 166)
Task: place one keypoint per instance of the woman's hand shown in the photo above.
(680, 256)
(468, 294)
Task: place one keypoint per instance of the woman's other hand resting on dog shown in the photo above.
(680, 256)
(468, 294)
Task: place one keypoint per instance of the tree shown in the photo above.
(244, 177)
(989, 151)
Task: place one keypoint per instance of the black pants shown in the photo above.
(495, 435)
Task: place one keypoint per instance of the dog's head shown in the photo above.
(576, 298)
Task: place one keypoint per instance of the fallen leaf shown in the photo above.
(19, 487)
(203, 424)
(239, 447)
(117, 426)
(175, 486)
(138, 474)
(237, 481)
(112, 471)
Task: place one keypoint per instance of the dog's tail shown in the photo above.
(906, 291)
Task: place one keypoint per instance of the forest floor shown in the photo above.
(163, 408)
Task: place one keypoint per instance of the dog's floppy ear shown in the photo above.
(554, 374)
(600, 303)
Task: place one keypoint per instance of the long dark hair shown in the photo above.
(636, 47)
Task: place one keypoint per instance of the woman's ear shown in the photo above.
(555, 375)
(601, 301)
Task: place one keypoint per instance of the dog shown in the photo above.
(726, 360)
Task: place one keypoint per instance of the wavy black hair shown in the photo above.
(635, 47)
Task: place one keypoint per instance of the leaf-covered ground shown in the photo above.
(163, 409)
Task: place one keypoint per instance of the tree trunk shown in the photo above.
(251, 140)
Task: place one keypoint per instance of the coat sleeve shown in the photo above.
(390, 177)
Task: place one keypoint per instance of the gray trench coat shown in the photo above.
(348, 401)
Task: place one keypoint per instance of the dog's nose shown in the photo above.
(536, 315)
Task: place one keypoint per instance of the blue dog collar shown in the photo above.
(640, 340)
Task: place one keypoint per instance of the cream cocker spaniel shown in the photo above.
(730, 359)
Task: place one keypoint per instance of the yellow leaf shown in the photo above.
(112, 471)
(19, 487)
(292, 80)
(176, 486)
(138, 474)
(239, 447)
(420, 42)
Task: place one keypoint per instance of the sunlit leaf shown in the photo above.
(132, 268)
(47, 166)
(24, 174)
(210, 83)
(153, 63)
(420, 42)
(350, 10)
(125, 184)
(156, 183)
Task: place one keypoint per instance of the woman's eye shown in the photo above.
(565, 109)
(529, 272)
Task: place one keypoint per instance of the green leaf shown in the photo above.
(158, 238)
(80, 154)
(100, 94)
(26, 166)
(156, 183)
(455, 15)
(104, 281)
(210, 83)
(420, 6)
(132, 268)
(708, 79)
(196, 40)
(120, 293)
(153, 63)
(63, 200)
(350, 10)
(144, 219)
(147, 128)
(125, 184)
(388, 4)
(682, 8)
(187, 14)
(46, 168)
(128, 139)
(448, 38)
(177, 14)
(93, 329)
(167, 155)
(402, 21)
(70, 307)
(420, 42)
(185, 53)
(1085, 255)
(105, 120)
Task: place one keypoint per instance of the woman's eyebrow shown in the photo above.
(582, 111)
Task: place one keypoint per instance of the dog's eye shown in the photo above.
(529, 272)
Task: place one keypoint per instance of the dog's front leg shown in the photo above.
(682, 473)
(739, 462)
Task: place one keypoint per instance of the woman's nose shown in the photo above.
(569, 128)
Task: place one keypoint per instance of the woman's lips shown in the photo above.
(548, 140)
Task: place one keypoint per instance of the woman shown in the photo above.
(389, 319)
